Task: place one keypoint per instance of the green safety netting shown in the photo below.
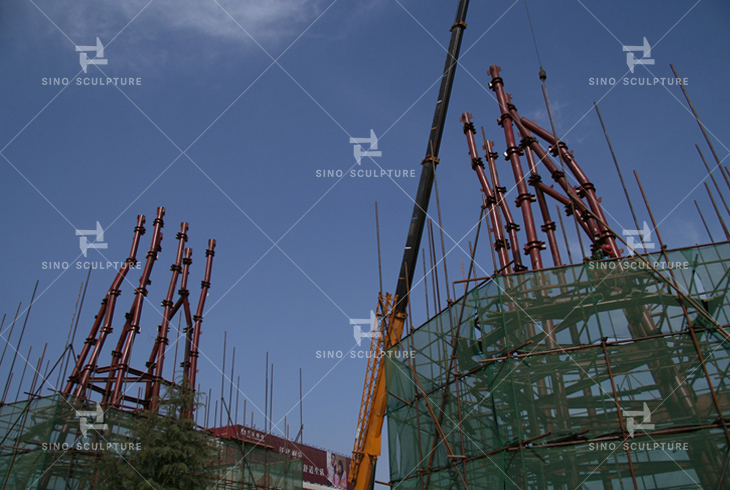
(41, 447)
(586, 376)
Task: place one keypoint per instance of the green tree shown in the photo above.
(172, 454)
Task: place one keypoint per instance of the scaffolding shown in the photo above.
(42, 446)
(603, 375)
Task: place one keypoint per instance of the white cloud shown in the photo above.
(265, 20)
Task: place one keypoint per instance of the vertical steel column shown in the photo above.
(126, 341)
(157, 358)
(548, 224)
(183, 292)
(192, 370)
(525, 198)
(185, 303)
(500, 244)
(499, 192)
(82, 372)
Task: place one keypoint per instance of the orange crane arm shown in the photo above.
(387, 332)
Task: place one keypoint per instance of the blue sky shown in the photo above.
(255, 132)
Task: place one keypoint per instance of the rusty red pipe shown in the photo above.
(606, 237)
(132, 328)
(156, 363)
(525, 198)
(81, 373)
(197, 329)
(548, 226)
(592, 227)
(500, 244)
(499, 193)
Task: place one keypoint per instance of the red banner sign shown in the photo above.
(318, 466)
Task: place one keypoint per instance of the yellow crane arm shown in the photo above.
(386, 332)
(392, 310)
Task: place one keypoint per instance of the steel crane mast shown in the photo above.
(392, 310)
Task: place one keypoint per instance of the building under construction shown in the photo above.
(607, 370)
(46, 444)
(595, 375)
(605, 374)
(56, 442)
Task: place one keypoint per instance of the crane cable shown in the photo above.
(542, 74)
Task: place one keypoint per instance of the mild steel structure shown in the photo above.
(531, 379)
(112, 381)
(609, 374)
(607, 403)
(580, 201)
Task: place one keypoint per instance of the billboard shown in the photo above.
(319, 466)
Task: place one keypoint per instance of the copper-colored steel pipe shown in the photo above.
(197, 329)
(121, 365)
(586, 218)
(183, 291)
(609, 242)
(546, 189)
(499, 193)
(157, 358)
(548, 224)
(81, 373)
(599, 232)
(183, 301)
(500, 244)
(525, 198)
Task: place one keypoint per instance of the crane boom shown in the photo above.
(392, 310)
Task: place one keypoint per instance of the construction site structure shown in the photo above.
(608, 374)
(114, 381)
(49, 442)
(596, 375)
(54, 443)
(371, 415)
(605, 374)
